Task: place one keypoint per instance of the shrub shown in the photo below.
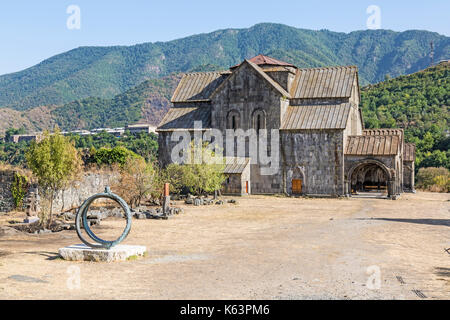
(138, 180)
(19, 189)
(434, 179)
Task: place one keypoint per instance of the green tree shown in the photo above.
(203, 175)
(55, 162)
(13, 131)
(437, 159)
(174, 175)
(117, 155)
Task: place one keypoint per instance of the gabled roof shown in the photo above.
(330, 82)
(312, 117)
(372, 145)
(197, 87)
(269, 79)
(261, 60)
(409, 153)
(184, 117)
(272, 82)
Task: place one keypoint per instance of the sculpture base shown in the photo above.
(81, 252)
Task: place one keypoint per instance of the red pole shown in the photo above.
(166, 190)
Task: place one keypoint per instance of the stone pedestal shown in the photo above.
(81, 252)
(166, 205)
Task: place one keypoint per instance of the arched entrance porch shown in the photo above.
(370, 176)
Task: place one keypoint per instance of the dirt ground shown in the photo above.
(265, 247)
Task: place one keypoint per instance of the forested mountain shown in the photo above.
(104, 72)
(419, 103)
(148, 102)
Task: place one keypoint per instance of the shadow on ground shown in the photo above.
(443, 272)
(49, 255)
(433, 222)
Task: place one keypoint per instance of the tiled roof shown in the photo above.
(409, 152)
(184, 118)
(265, 60)
(330, 82)
(235, 164)
(372, 145)
(195, 87)
(316, 117)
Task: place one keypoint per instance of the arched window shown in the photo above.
(259, 120)
(233, 120)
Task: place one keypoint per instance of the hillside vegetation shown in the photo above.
(147, 102)
(104, 72)
(419, 103)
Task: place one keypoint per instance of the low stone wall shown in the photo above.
(6, 198)
(72, 197)
(79, 191)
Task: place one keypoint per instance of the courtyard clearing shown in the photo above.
(265, 247)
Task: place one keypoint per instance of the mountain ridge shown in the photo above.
(107, 71)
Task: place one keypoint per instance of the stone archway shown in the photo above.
(370, 175)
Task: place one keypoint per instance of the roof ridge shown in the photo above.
(329, 67)
(207, 72)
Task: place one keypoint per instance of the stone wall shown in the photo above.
(78, 192)
(317, 158)
(233, 185)
(6, 198)
(72, 197)
(244, 94)
(408, 176)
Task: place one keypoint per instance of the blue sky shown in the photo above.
(31, 31)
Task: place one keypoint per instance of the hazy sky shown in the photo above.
(31, 31)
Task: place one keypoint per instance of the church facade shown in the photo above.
(323, 148)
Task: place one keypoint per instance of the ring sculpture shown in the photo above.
(81, 221)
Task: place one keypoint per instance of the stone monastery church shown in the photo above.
(324, 148)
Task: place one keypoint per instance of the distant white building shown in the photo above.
(117, 132)
(26, 137)
(136, 128)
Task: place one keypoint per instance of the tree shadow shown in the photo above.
(442, 272)
(433, 222)
(50, 255)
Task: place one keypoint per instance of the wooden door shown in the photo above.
(296, 186)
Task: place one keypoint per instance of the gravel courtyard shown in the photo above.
(265, 247)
